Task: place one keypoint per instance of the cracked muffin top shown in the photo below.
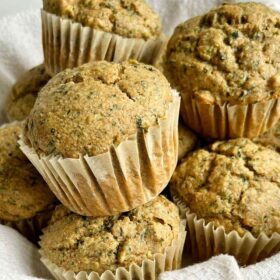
(79, 243)
(187, 141)
(23, 192)
(90, 108)
(234, 184)
(127, 18)
(230, 54)
(271, 138)
(24, 93)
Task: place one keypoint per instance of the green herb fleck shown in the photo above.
(235, 35)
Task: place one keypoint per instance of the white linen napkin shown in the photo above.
(20, 49)
(19, 259)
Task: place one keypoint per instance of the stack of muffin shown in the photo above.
(226, 66)
(104, 136)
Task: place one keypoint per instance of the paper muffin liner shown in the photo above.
(30, 228)
(230, 121)
(206, 240)
(125, 177)
(170, 259)
(68, 44)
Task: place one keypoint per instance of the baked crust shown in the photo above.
(24, 93)
(23, 192)
(88, 109)
(230, 54)
(79, 243)
(127, 18)
(234, 184)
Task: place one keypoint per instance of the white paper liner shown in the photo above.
(150, 269)
(68, 44)
(30, 228)
(125, 177)
(206, 240)
(230, 121)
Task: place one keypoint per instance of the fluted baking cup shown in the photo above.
(230, 121)
(30, 228)
(69, 44)
(206, 240)
(125, 177)
(150, 269)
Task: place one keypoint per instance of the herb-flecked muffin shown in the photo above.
(228, 56)
(23, 193)
(271, 138)
(187, 141)
(234, 184)
(78, 243)
(129, 18)
(116, 30)
(88, 109)
(24, 93)
(113, 127)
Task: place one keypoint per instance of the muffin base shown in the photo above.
(171, 259)
(125, 177)
(205, 240)
(230, 121)
(69, 44)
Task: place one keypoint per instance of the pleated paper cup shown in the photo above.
(69, 44)
(206, 240)
(150, 269)
(125, 177)
(30, 228)
(230, 121)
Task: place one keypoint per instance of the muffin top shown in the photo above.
(234, 184)
(23, 192)
(24, 93)
(90, 108)
(187, 141)
(271, 138)
(98, 244)
(127, 18)
(230, 54)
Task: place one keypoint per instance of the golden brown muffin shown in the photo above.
(234, 184)
(271, 138)
(187, 141)
(79, 243)
(23, 192)
(127, 18)
(230, 54)
(23, 95)
(87, 109)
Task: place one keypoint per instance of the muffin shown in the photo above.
(271, 138)
(24, 93)
(226, 66)
(76, 243)
(187, 141)
(233, 188)
(77, 32)
(109, 134)
(26, 202)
